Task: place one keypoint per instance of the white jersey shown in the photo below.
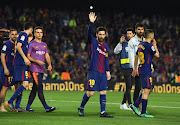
(132, 48)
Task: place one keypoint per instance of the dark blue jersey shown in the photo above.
(99, 60)
(22, 38)
(8, 49)
(145, 52)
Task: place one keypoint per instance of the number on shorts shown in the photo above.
(10, 79)
(91, 82)
(26, 74)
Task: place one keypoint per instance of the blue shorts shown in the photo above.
(21, 73)
(146, 81)
(96, 81)
(7, 81)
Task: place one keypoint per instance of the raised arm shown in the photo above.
(92, 19)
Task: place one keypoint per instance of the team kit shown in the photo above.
(22, 56)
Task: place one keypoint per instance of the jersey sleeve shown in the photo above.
(4, 48)
(152, 50)
(30, 48)
(21, 38)
(107, 59)
(131, 53)
(89, 31)
(118, 48)
(46, 50)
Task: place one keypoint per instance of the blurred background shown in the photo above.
(65, 24)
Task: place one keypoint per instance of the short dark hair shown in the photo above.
(28, 25)
(148, 32)
(101, 28)
(12, 30)
(130, 29)
(138, 25)
(37, 27)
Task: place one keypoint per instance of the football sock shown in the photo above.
(42, 99)
(18, 101)
(144, 105)
(103, 103)
(138, 101)
(16, 94)
(28, 106)
(84, 100)
(31, 99)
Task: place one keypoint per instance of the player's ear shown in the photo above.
(96, 34)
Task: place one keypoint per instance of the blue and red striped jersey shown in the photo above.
(8, 49)
(145, 52)
(98, 53)
(22, 38)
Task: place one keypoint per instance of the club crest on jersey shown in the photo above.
(44, 46)
(105, 49)
(99, 44)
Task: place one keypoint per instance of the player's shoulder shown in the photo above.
(147, 44)
(7, 42)
(107, 47)
(43, 43)
(132, 41)
(32, 42)
(22, 34)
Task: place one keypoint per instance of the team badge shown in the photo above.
(44, 46)
(99, 44)
(4, 48)
(22, 38)
(105, 49)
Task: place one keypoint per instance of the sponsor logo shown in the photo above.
(40, 52)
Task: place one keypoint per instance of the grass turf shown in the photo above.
(165, 108)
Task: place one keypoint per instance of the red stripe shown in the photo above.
(147, 82)
(91, 50)
(6, 81)
(148, 58)
(6, 58)
(101, 63)
(87, 85)
(22, 75)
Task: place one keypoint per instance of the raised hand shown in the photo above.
(92, 17)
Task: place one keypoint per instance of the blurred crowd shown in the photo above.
(65, 35)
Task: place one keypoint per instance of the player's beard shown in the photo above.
(14, 39)
(140, 34)
(100, 40)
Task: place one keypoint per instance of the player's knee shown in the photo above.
(4, 88)
(90, 93)
(25, 84)
(103, 92)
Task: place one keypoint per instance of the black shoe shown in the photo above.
(106, 115)
(21, 109)
(50, 109)
(81, 112)
(30, 110)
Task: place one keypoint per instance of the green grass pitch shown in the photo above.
(165, 107)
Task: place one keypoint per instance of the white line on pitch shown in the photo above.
(170, 107)
(118, 104)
